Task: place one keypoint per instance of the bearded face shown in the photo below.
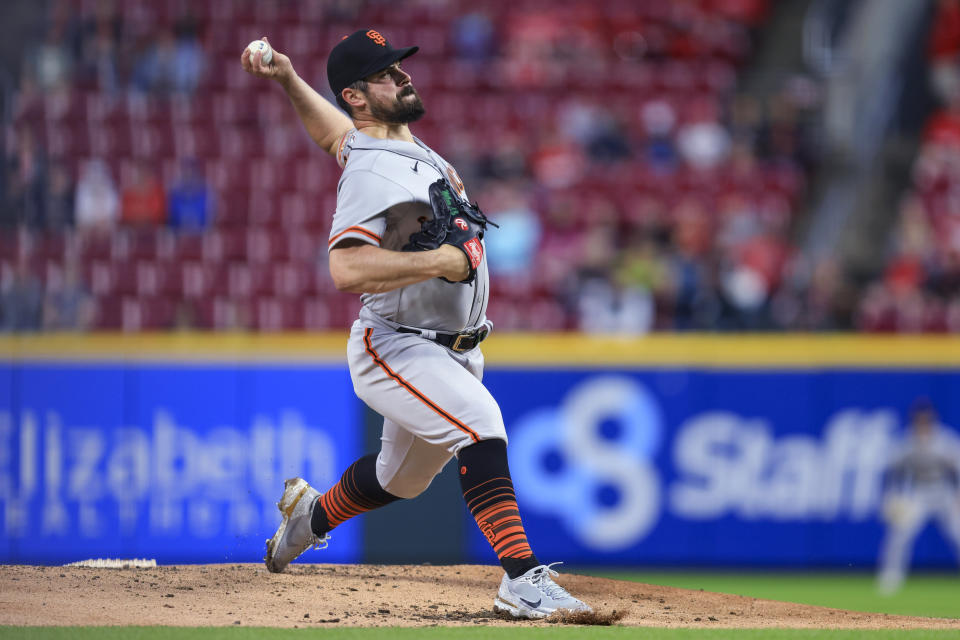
(404, 108)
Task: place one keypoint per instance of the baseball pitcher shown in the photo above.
(406, 238)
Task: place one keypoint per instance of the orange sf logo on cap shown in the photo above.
(376, 37)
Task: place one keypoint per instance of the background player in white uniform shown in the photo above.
(921, 483)
(413, 352)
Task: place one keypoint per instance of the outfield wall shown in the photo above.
(664, 450)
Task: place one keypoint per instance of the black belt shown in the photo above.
(458, 342)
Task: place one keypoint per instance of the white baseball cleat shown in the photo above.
(535, 595)
(294, 536)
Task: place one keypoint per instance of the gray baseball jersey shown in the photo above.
(381, 199)
(432, 398)
(932, 461)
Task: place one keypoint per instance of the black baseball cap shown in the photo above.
(360, 54)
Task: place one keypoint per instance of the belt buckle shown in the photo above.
(456, 343)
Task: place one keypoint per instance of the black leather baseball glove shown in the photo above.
(454, 222)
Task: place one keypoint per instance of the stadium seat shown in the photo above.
(159, 279)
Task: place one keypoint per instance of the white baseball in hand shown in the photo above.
(266, 53)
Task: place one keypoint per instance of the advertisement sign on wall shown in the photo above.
(182, 463)
(669, 466)
(681, 467)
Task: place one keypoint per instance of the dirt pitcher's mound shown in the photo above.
(372, 595)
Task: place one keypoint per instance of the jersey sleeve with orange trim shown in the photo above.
(345, 146)
(363, 198)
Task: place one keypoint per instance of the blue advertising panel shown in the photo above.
(177, 462)
(183, 458)
(688, 467)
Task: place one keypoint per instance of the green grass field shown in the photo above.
(923, 595)
(936, 595)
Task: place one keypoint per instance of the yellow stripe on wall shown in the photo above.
(511, 349)
(177, 347)
(728, 351)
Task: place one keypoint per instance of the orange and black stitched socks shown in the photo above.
(358, 491)
(488, 492)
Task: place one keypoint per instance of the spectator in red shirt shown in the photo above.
(143, 201)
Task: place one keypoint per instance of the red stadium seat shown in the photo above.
(267, 174)
(233, 211)
(192, 110)
(145, 244)
(112, 141)
(147, 314)
(306, 247)
(227, 176)
(103, 108)
(64, 106)
(293, 280)
(232, 314)
(225, 245)
(233, 108)
(196, 141)
(317, 315)
(95, 246)
(189, 247)
(202, 280)
(68, 141)
(264, 209)
(108, 315)
(152, 141)
(159, 279)
(244, 281)
(266, 245)
(295, 211)
(274, 314)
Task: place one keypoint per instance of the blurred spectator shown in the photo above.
(474, 37)
(692, 269)
(60, 205)
(97, 202)
(51, 63)
(643, 277)
(21, 300)
(598, 303)
(659, 119)
(703, 142)
(749, 12)
(27, 183)
(739, 221)
(594, 129)
(67, 305)
(557, 162)
(511, 248)
(506, 160)
(944, 51)
(191, 201)
(604, 307)
(783, 137)
(173, 62)
(143, 201)
(746, 121)
(817, 298)
(100, 55)
(613, 297)
(562, 243)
